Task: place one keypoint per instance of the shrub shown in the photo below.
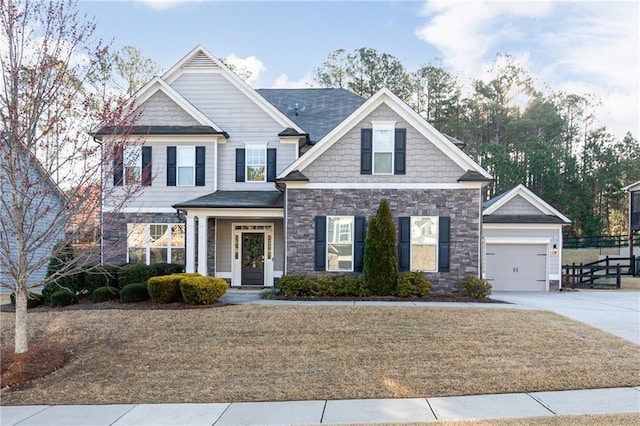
(166, 269)
(135, 273)
(132, 293)
(33, 300)
(349, 285)
(320, 285)
(63, 298)
(475, 287)
(101, 276)
(202, 290)
(412, 284)
(380, 252)
(103, 294)
(166, 288)
(60, 261)
(297, 286)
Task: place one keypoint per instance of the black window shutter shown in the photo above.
(400, 155)
(359, 238)
(404, 243)
(118, 165)
(444, 243)
(240, 165)
(366, 151)
(146, 166)
(321, 244)
(271, 164)
(171, 166)
(200, 165)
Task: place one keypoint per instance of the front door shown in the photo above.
(253, 258)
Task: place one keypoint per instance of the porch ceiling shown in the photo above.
(236, 199)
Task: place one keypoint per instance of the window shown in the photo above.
(424, 243)
(383, 147)
(256, 164)
(186, 164)
(155, 243)
(132, 165)
(339, 243)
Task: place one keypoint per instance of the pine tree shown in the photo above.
(380, 255)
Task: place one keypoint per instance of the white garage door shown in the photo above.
(517, 267)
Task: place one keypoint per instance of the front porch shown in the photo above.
(237, 236)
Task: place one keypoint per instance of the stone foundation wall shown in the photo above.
(114, 237)
(554, 285)
(461, 205)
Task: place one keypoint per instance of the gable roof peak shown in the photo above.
(500, 200)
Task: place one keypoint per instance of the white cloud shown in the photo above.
(249, 65)
(283, 82)
(161, 5)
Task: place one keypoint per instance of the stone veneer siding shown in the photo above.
(211, 246)
(114, 238)
(461, 205)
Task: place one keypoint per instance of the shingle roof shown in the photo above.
(236, 199)
(295, 176)
(524, 218)
(317, 111)
(473, 176)
(159, 130)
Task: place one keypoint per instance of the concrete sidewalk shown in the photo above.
(478, 407)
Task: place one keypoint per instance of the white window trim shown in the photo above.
(437, 220)
(128, 153)
(382, 125)
(353, 220)
(147, 245)
(193, 164)
(246, 162)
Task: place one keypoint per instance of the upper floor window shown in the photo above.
(132, 165)
(256, 163)
(383, 148)
(186, 163)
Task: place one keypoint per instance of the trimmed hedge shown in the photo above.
(132, 293)
(202, 290)
(412, 284)
(475, 287)
(63, 298)
(33, 300)
(349, 285)
(104, 294)
(166, 288)
(297, 286)
(166, 269)
(101, 276)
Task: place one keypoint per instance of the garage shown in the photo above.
(517, 267)
(522, 247)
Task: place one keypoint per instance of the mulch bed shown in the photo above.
(39, 360)
(448, 297)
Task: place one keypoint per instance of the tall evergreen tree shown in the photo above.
(380, 255)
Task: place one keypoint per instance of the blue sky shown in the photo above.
(579, 47)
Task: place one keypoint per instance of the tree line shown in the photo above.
(547, 141)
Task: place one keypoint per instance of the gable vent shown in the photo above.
(201, 61)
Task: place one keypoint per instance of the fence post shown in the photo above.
(618, 277)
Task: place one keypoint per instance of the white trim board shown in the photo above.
(530, 197)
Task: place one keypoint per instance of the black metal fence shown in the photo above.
(605, 273)
(599, 241)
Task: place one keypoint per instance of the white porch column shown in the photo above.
(191, 245)
(202, 245)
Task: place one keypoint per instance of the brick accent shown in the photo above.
(461, 205)
(114, 238)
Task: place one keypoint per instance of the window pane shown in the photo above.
(177, 255)
(137, 235)
(256, 156)
(339, 229)
(383, 140)
(157, 255)
(424, 230)
(423, 258)
(137, 255)
(158, 235)
(255, 174)
(177, 236)
(186, 156)
(339, 257)
(185, 176)
(382, 163)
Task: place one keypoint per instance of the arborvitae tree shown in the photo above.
(380, 255)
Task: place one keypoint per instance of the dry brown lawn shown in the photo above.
(257, 353)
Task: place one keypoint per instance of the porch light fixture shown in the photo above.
(554, 250)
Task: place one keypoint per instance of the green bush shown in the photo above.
(412, 284)
(63, 298)
(135, 273)
(61, 259)
(349, 285)
(104, 294)
(33, 300)
(475, 287)
(166, 288)
(380, 252)
(101, 276)
(166, 269)
(132, 293)
(298, 286)
(322, 284)
(202, 290)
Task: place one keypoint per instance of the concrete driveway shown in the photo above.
(615, 312)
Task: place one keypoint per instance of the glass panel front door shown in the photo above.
(252, 258)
